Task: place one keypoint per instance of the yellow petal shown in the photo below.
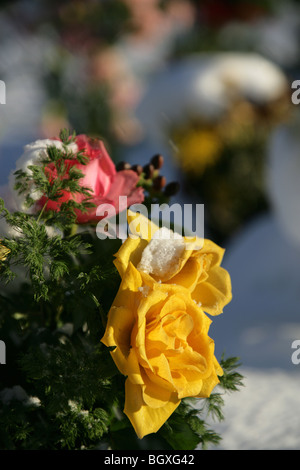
(139, 331)
(178, 325)
(201, 321)
(3, 252)
(118, 333)
(174, 303)
(130, 252)
(208, 385)
(215, 292)
(160, 373)
(188, 360)
(215, 251)
(153, 395)
(121, 319)
(218, 368)
(140, 226)
(133, 368)
(157, 338)
(130, 285)
(188, 274)
(188, 383)
(213, 379)
(144, 419)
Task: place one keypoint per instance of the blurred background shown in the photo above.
(208, 85)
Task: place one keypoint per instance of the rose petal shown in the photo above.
(210, 248)
(145, 419)
(118, 333)
(188, 275)
(95, 177)
(212, 381)
(121, 319)
(141, 226)
(154, 395)
(215, 292)
(188, 383)
(139, 333)
(95, 149)
(130, 252)
(123, 183)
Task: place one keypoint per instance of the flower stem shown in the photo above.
(42, 211)
(102, 316)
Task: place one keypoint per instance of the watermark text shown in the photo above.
(2, 92)
(185, 220)
(2, 352)
(296, 354)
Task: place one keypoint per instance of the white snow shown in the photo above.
(264, 415)
(18, 393)
(209, 85)
(144, 290)
(260, 325)
(162, 255)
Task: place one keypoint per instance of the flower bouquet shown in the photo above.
(105, 315)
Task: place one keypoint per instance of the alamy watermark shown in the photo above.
(2, 92)
(296, 354)
(2, 352)
(185, 220)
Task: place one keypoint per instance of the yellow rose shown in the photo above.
(162, 346)
(194, 264)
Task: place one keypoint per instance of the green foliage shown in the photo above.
(231, 380)
(185, 430)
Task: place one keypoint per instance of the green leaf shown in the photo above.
(179, 434)
(231, 379)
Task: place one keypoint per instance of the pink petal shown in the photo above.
(95, 149)
(123, 184)
(107, 164)
(94, 177)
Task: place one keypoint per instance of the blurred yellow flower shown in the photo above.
(197, 148)
(162, 346)
(3, 252)
(194, 264)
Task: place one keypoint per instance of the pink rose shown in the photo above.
(101, 177)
